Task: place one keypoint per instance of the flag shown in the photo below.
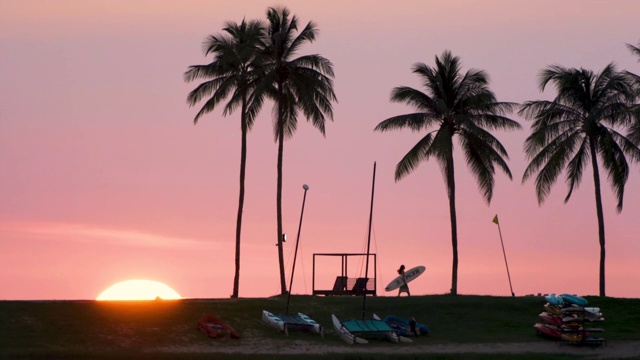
(495, 219)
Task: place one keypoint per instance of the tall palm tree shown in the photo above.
(233, 73)
(579, 125)
(454, 103)
(296, 84)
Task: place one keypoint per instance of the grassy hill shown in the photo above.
(80, 329)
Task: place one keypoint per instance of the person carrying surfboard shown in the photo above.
(404, 287)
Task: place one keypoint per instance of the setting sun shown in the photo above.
(139, 290)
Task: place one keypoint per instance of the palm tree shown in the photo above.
(303, 84)
(233, 73)
(577, 126)
(454, 103)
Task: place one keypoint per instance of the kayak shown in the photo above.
(547, 330)
(550, 319)
(404, 326)
(553, 299)
(214, 327)
(574, 299)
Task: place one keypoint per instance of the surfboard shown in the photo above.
(410, 275)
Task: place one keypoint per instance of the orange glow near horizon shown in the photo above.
(139, 290)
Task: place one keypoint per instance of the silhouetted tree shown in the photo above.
(455, 103)
(297, 85)
(579, 125)
(233, 73)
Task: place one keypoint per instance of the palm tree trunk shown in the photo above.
(451, 186)
(243, 165)
(596, 182)
(283, 285)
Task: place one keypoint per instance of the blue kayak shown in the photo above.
(406, 327)
(553, 299)
(576, 300)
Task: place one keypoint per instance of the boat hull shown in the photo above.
(344, 333)
(214, 327)
(403, 326)
(299, 322)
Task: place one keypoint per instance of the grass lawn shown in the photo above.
(91, 329)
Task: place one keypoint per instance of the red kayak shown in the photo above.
(550, 319)
(548, 330)
(214, 327)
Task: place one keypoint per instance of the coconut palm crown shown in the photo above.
(457, 104)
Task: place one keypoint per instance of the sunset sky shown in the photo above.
(105, 178)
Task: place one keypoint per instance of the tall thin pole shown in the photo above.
(295, 255)
(495, 220)
(366, 271)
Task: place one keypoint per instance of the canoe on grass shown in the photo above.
(214, 327)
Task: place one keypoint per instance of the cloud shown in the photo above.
(55, 231)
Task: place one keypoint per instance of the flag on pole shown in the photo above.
(495, 219)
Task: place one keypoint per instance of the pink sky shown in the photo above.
(104, 177)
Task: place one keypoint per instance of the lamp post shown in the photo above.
(295, 254)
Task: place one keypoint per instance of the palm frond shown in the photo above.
(634, 129)
(414, 121)
(575, 167)
(202, 72)
(314, 61)
(410, 161)
(205, 89)
(308, 34)
(413, 97)
(634, 50)
(481, 152)
(615, 163)
(564, 142)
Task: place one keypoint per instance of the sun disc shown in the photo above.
(139, 290)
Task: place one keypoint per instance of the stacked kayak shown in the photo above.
(567, 318)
